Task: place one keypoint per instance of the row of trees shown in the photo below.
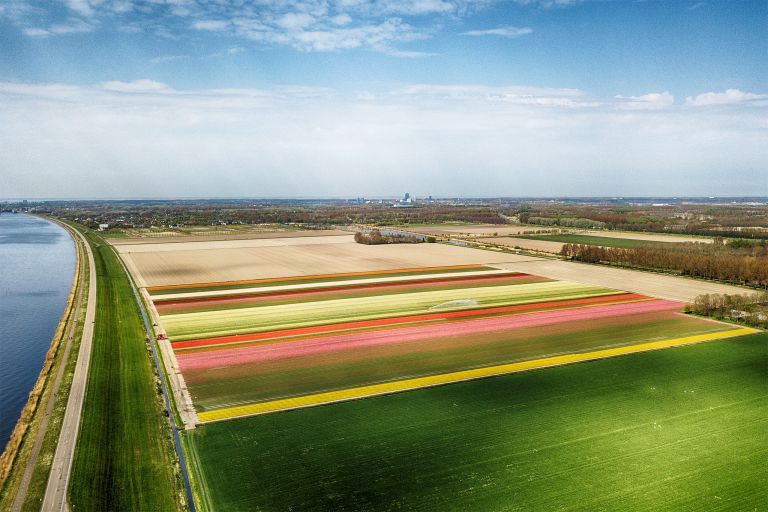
(376, 238)
(748, 266)
(750, 308)
(567, 222)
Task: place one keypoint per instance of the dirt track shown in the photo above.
(525, 243)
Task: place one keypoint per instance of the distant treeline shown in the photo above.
(737, 220)
(742, 265)
(751, 309)
(564, 222)
(376, 238)
(316, 215)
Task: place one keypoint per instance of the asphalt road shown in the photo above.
(61, 468)
(41, 431)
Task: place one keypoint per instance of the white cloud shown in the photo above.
(295, 21)
(306, 25)
(213, 25)
(729, 97)
(548, 4)
(519, 95)
(72, 26)
(60, 140)
(341, 19)
(650, 101)
(82, 7)
(162, 59)
(509, 31)
(143, 85)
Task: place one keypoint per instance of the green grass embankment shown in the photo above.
(124, 458)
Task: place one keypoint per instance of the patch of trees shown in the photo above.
(566, 222)
(751, 308)
(747, 266)
(376, 238)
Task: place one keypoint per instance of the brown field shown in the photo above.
(203, 262)
(256, 235)
(249, 243)
(524, 243)
(647, 283)
(473, 230)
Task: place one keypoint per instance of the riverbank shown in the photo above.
(18, 450)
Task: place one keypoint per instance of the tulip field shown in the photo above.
(269, 345)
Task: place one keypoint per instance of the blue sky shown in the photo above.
(262, 98)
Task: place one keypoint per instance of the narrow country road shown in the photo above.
(41, 431)
(58, 480)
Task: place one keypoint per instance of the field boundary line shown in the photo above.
(452, 377)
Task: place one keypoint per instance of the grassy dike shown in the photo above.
(22, 457)
(124, 458)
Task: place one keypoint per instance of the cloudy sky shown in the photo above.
(180, 98)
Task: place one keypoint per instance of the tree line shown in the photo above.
(747, 266)
(751, 308)
(375, 237)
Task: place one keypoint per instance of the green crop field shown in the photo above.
(677, 429)
(603, 241)
(124, 458)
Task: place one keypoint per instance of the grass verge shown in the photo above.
(124, 458)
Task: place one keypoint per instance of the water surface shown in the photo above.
(37, 264)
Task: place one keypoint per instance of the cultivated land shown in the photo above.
(650, 237)
(524, 243)
(471, 229)
(277, 349)
(604, 241)
(337, 254)
(656, 285)
(124, 457)
(678, 429)
(263, 326)
(236, 235)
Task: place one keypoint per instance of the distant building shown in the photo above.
(405, 202)
(102, 227)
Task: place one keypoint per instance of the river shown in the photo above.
(37, 262)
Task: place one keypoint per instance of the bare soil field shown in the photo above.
(524, 243)
(194, 245)
(654, 285)
(224, 236)
(474, 230)
(188, 264)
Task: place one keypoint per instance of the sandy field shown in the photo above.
(222, 237)
(654, 285)
(533, 245)
(193, 245)
(187, 266)
(472, 230)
